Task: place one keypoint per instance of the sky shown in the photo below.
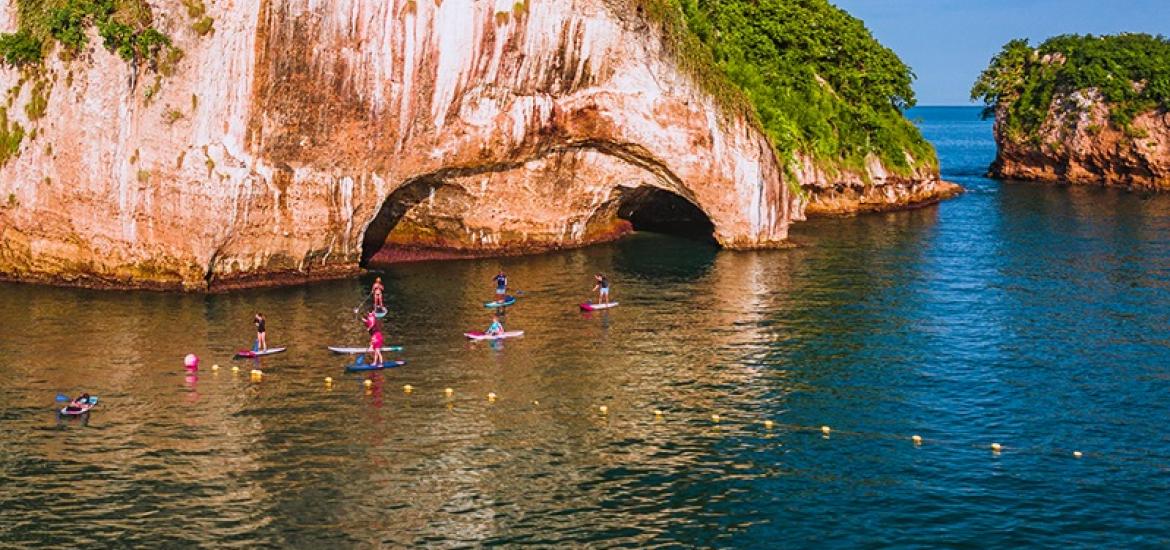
(949, 42)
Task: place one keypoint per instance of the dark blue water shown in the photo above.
(1027, 315)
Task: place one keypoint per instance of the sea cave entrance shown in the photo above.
(660, 211)
(393, 210)
(424, 218)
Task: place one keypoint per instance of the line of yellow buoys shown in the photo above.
(996, 448)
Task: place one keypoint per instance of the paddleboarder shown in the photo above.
(377, 292)
(501, 285)
(78, 404)
(261, 342)
(601, 288)
(376, 339)
(496, 327)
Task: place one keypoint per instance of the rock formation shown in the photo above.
(1078, 144)
(297, 139)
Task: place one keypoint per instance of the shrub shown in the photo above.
(20, 48)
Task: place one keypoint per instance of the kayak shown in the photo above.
(353, 351)
(380, 312)
(89, 404)
(478, 335)
(505, 302)
(587, 306)
(362, 366)
(248, 354)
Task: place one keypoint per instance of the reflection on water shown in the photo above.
(1033, 316)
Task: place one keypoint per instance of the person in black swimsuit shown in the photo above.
(261, 342)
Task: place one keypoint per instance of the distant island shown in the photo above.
(1081, 110)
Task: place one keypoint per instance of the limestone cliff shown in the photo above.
(294, 139)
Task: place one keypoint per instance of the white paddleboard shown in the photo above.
(477, 335)
(244, 353)
(594, 307)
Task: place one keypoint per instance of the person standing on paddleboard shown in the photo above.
(501, 285)
(261, 341)
(601, 288)
(376, 338)
(377, 292)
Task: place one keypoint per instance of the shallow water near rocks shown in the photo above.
(1032, 316)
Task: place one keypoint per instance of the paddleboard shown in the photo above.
(594, 307)
(247, 354)
(352, 351)
(380, 312)
(478, 335)
(507, 301)
(360, 366)
(90, 403)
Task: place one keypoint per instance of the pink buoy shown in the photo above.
(191, 361)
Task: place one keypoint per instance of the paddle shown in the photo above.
(363, 302)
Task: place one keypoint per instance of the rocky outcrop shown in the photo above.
(299, 139)
(875, 191)
(1078, 144)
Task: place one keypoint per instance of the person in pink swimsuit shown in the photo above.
(376, 339)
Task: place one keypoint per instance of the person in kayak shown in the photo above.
(78, 404)
(376, 339)
(501, 285)
(496, 327)
(261, 341)
(377, 292)
(601, 288)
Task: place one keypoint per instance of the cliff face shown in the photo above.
(1078, 144)
(300, 139)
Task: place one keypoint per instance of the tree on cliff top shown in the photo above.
(1130, 71)
(818, 80)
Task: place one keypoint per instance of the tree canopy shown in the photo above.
(1130, 71)
(817, 79)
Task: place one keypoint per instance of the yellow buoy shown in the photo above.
(215, 367)
(715, 418)
(657, 412)
(367, 383)
(768, 424)
(1078, 454)
(535, 401)
(449, 392)
(996, 447)
(603, 409)
(257, 372)
(407, 388)
(235, 368)
(328, 380)
(491, 396)
(826, 430)
(917, 439)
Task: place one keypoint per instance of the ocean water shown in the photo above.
(1032, 316)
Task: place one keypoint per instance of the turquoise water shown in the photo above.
(1031, 316)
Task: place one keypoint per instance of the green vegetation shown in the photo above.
(20, 48)
(812, 75)
(125, 27)
(204, 26)
(38, 100)
(1130, 71)
(10, 137)
(195, 8)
